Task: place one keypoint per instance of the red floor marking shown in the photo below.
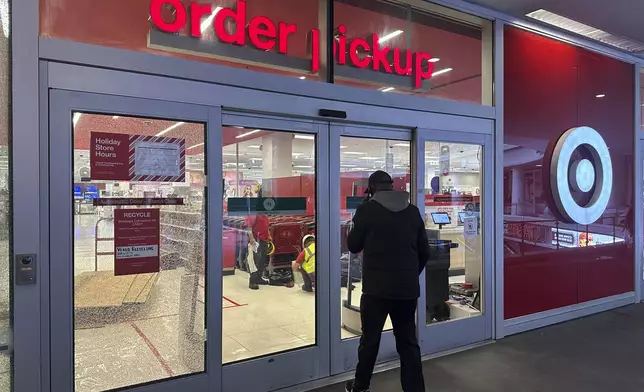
(154, 350)
(235, 304)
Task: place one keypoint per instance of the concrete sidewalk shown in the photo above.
(600, 353)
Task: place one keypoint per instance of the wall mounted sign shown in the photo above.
(136, 241)
(138, 201)
(121, 157)
(232, 27)
(580, 176)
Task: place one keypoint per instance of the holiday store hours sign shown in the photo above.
(121, 157)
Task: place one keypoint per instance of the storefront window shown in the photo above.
(453, 219)
(269, 36)
(403, 49)
(5, 201)
(139, 259)
(427, 50)
(359, 158)
(269, 265)
(568, 175)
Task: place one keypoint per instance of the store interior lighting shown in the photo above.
(170, 128)
(600, 95)
(247, 133)
(389, 36)
(208, 21)
(304, 137)
(434, 60)
(442, 71)
(195, 146)
(386, 89)
(77, 117)
(585, 30)
(302, 77)
(4, 17)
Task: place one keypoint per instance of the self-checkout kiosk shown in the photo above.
(437, 269)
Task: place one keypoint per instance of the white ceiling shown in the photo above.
(618, 17)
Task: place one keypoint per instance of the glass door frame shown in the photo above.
(60, 169)
(457, 333)
(344, 353)
(312, 362)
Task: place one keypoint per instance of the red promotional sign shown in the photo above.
(109, 156)
(122, 157)
(136, 241)
(266, 35)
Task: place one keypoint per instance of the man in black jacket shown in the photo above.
(391, 234)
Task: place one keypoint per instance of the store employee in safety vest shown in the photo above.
(305, 263)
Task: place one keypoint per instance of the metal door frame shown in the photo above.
(308, 363)
(456, 333)
(126, 85)
(60, 170)
(344, 353)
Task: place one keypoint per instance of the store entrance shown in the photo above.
(202, 249)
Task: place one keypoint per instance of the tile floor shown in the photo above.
(144, 344)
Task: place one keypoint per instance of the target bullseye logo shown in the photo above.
(580, 176)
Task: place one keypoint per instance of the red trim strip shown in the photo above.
(154, 350)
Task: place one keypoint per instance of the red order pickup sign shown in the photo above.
(115, 156)
(136, 241)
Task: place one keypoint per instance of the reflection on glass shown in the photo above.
(138, 317)
(269, 243)
(359, 157)
(453, 218)
(394, 48)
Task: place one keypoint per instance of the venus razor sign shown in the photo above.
(232, 27)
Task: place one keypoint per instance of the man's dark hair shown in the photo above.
(380, 181)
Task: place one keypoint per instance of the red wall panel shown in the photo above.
(551, 87)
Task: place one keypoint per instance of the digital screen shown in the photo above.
(78, 192)
(461, 217)
(441, 218)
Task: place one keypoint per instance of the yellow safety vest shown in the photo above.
(309, 259)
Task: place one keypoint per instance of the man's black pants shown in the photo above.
(374, 312)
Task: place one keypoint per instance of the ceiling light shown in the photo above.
(434, 60)
(303, 167)
(386, 89)
(354, 153)
(389, 36)
(539, 165)
(180, 123)
(442, 71)
(302, 77)
(254, 146)
(4, 17)
(229, 154)
(195, 146)
(115, 117)
(349, 165)
(400, 145)
(370, 158)
(564, 23)
(346, 146)
(247, 133)
(77, 117)
(304, 137)
(208, 21)
(600, 95)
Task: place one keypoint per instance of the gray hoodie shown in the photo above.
(394, 201)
